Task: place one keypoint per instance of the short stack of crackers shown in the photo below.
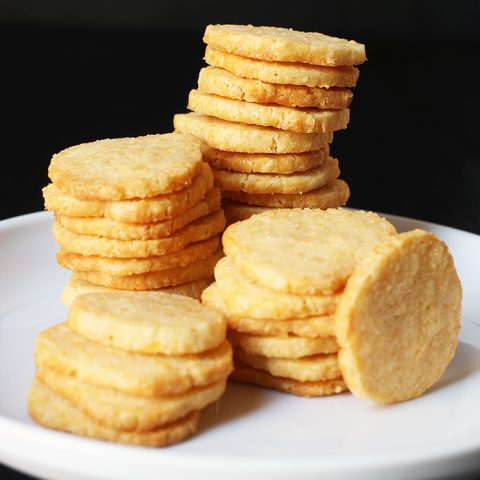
(266, 108)
(135, 214)
(318, 301)
(130, 367)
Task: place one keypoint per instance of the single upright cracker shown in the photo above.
(306, 120)
(284, 45)
(125, 168)
(283, 73)
(399, 318)
(147, 322)
(270, 183)
(239, 137)
(224, 83)
(317, 249)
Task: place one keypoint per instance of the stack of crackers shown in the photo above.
(318, 301)
(266, 108)
(130, 367)
(135, 214)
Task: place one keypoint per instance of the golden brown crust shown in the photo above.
(237, 212)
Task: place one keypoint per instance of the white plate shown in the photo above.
(253, 433)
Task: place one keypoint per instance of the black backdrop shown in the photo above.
(80, 71)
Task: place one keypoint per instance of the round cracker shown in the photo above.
(219, 81)
(246, 374)
(284, 45)
(237, 212)
(147, 322)
(240, 137)
(155, 280)
(269, 183)
(334, 194)
(399, 318)
(244, 298)
(52, 411)
(264, 163)
(317, 250)
(124, 412)
(307, 120)
(282, 347)
(109, 228)
(306, 369)
(312, 327)
(76, 286)
(283, 73)
(201, 229)
(153, 209)
(124, 168)
(61, 349)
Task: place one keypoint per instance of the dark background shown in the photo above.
(81, 71)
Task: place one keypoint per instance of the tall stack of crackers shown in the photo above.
(135, 214)
(266, 108)
(130, 367)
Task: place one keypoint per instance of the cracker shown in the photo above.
(284, 45)
(305, 369)
(125, 168)
(155, 280)
(147, 322)
(134, 266)
(244, 373)
(75, 287)
(319, 249)
(244, 298)
(236, 211)
(239, 137)
(306, 120)
(282, 347)
(283, 73)
(201, 229)
(153, 209)
(61, 349)
(52, 411)
(282, 163)
(224, 83)
(313, 327)
(399, 318)
(269, 183)
(331, 195)
(132, 413)
(109, 228)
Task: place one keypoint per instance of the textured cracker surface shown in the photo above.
(123, 168)
(53, 411)
(134, 266)
(312, 327)
(75, 287)
(145, 210)
(109, 228)
(239, 137)
(219, 81)
(306, 120)
(147, 322)
(245, 298)
(331, 195)
(399, 318)
(318, 249)
(171, 277)
(282, 347)
(131, 413)
(201, 229)
(59, 348)
(281, 72)
(293, 183)
(246, 374)
(285, 45)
